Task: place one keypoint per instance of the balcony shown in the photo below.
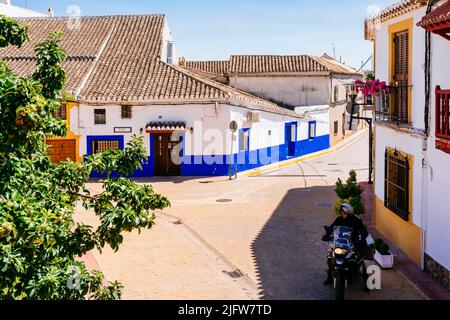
(442, 119)
(393, 107)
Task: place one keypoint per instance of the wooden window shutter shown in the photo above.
(401, 75)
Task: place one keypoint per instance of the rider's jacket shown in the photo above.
(353, 222)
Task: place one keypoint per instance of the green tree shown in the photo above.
(39, 240)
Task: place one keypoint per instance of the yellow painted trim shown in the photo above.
(70, 134)
(257, 172)
(410, 187)
(405, 25)
(405, 235)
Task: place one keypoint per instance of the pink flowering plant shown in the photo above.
(372, 87)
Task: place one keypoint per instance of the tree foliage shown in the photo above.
(40, 242)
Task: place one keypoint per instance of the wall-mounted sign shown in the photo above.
(123, 130)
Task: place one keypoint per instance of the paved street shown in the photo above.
(268, 226)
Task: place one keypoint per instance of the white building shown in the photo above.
(122, 74)
(8, 9)
(412, 138)
(296, 82)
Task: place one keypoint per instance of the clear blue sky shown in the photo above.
(214, 29)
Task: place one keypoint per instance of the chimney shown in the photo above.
(51, 13)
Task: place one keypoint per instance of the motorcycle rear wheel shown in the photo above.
(340, 286)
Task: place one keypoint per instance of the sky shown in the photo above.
(214, 29)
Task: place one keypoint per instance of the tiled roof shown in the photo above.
(437, 16)
(114, 59)
(236, 95)
(335, 66)
(252, 64)
(109, 52)
(390, 12)
(213, 67)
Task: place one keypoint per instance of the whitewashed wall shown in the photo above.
(210, 125)
(18, 12)
(202, 118)
(341, 82)
(168, 37)
(411, 144)
(295, 91)
(417, 62)
(438, 173)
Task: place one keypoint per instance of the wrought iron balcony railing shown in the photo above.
(393, 106)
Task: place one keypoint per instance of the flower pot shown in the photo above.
(385, 261)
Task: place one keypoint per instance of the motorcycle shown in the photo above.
(344, 260)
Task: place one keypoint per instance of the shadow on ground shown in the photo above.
(290, 256)
(289, 253)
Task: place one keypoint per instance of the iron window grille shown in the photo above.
(127, 112)
(336, 94)
(99, 146)
(244, 137)
(312, 130)
(396, 185)
(336, 128)
(100, 116)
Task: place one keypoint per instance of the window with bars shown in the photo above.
(312, 130)
(401, 76)
(99, 146)
(336, 93)
(99, 116)
(336, 128)
(61, 113)
(396, 186)
(244, 140)
(127, 112)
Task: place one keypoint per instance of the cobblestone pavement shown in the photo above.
(268, 226)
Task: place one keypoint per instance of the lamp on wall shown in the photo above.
(141, 131)
(192, 130)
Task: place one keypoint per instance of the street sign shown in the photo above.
(352, 108)
(354, 124)
(233, 126)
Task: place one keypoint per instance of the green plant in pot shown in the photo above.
(349, 192)
(382, 247)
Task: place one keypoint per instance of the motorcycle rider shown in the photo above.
(347, 219)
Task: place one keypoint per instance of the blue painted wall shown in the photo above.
(219, 165)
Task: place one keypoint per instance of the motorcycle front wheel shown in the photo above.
(340, 285)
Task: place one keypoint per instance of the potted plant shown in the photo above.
(349, 192)
(382, 254)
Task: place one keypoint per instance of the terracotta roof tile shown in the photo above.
(273, 64)
(213, 67)
(390, 12)
(439, 15)
(116, 59)
(335, 66)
